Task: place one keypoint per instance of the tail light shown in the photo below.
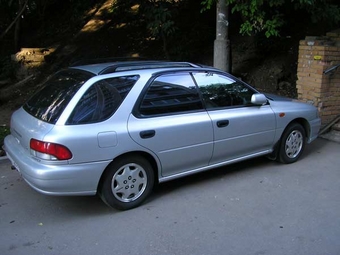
(49, 151)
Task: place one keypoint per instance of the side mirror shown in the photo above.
(259, 99)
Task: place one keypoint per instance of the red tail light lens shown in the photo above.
(56, 150)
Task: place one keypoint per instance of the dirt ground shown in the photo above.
(5, 116)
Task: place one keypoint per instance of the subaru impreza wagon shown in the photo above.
(116, 129)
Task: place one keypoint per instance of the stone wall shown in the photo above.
(316, 55)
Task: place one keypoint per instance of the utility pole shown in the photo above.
(222, 44)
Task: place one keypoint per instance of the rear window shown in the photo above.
(101, 100)
(49, 102)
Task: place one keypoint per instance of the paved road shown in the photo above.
(257, 207)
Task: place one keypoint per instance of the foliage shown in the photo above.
(159, 19)
(268, 16)
(158, 16)
(330, 13)
(4, 131)
(176, 24)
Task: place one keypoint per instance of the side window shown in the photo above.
(222, 91)
(169, 94)
(101, 100)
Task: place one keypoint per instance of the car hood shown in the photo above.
(292, 108)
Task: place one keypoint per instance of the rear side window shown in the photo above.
(169, 94)
(101, 100)
(49, 102)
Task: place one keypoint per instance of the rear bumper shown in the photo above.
(54, 178)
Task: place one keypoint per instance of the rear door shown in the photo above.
(171, 122)
(240, 128)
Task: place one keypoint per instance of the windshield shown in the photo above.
(49, 102)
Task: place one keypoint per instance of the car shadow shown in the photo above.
(89, 206)
(163, 189)
(228, 171)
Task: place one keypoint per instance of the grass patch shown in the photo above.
(4, 131)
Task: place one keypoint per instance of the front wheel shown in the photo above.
(127, 183)
(292, 143)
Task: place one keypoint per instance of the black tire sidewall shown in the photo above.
(105, 191)
(283, 158)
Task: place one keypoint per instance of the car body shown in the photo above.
(114, 129)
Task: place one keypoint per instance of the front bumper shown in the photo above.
(54, 178)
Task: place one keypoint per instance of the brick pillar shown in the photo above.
(317, 54)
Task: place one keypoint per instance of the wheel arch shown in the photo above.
(303, 122)
(292, 141)
(143, 154)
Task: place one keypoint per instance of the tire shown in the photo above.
(292, 143)
(127, 183)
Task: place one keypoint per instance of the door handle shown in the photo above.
(147, 134)
(222, 123)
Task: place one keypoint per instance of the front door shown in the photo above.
(240, 128)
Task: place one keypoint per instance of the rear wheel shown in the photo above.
(127, 183)
(292, 143)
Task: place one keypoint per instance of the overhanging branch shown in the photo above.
(14, 21)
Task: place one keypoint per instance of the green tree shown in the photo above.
(160, 23)
(268, 16)
(158, 16)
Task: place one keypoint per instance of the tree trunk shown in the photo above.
(222, 57)
(21, 10)
(17, 29)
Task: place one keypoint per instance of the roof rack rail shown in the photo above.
(139, 65)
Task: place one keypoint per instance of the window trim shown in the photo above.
(136, 109)
(229, 76)
(96, 84)
(137, 114)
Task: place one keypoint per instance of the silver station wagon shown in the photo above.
(116, 129)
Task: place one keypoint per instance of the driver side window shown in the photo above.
(221, 91)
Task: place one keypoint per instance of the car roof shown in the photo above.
(119, 66)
